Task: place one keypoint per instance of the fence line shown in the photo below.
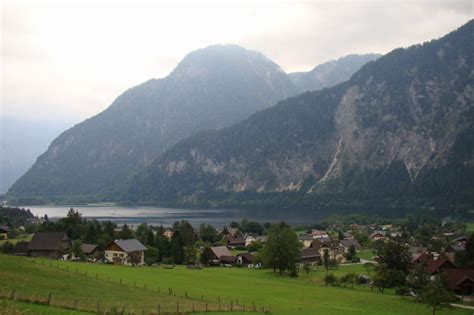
(195, 305)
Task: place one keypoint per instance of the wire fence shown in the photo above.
(168, 301)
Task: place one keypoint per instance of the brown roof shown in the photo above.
(439, 264)
(220, 251)
(88, 248)
(235, 240)
(455, 277)
(21, 247)
(310, 253)
(229, 259)
(246, 256)
(47, 240)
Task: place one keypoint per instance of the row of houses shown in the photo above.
(337, 249)
(57, 245)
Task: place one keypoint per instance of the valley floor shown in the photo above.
(305, 295)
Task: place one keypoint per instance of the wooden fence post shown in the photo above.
(50, 297)
(186, 294)
(231, 305)
(177, 307)
(159, 309)
(98, 307)
(193, 307)
(13, 294)
(75, 304)
(206, 306)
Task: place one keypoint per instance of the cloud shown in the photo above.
(67, 60)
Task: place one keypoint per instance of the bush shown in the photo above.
(330, 279)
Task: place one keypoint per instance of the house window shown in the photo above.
(121, 255)
(115, 254)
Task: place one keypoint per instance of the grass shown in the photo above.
(26, 238)
(15, 307)
(366, 254)
(34, 281)
(285, 295)
(470, 227)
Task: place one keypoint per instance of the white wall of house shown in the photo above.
(110, 255)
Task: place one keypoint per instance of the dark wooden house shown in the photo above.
(49, 244)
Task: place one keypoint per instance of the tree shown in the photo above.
(326, 260)
(330, 279)
(77, 250)
(126, 233)
(395, 256)
(255, 246)
(150, 238)
(152, 256)
(177, 248)
(282, 250)
(465, 258)
(417, 278)
(142, 233)
(436, 295)
(206, 256)
(208, 233)
(348, 279)
(351, 255)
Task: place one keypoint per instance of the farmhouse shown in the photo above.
(245, 259)
(222, 255)
(125, 252)
(90, 250)
(306, 240)
(21, 248)
(168, 233)
(439, 265)
(460, 281)
(310, 256)
(4, 232)
(235, 241)
(249, 239)
(49, 244)
(378, 235)
(318, 234)
(346, 245)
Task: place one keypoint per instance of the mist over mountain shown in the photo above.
(330, 73)
(211, 88)
(21, 142)
(402, 127)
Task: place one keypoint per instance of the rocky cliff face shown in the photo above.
(402, 126)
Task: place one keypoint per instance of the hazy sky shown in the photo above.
(70, 60)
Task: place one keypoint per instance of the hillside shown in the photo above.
(211, 88)
(401, 127)
(330, 73)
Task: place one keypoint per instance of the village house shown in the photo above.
(306, 240)
(168, 233)
(49, 244)
(310, 256)
(21, 248)
(125, 252)
(452, 250)
(346, 245)
(222, 256)
(235, 241)
(4, 232)
(90, 250)
(439, 265)
(461, 281)
(378, 235)
(249, 239)
(262, 239)
(317, 234)
(245, 259)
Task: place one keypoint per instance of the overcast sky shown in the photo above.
(69, 61)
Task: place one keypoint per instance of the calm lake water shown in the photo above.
(167, 216)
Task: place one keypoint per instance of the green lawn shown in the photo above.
(366, 254)
(16, 240)
(470, 227)
(20, 308)
(34, 281)
(285, 295)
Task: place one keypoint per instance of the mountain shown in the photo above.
(330, 73)
(210, 88)
(401, 128)
(21, 142)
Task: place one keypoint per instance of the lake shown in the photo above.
(167, 216)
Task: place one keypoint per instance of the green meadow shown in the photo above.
(305, 295)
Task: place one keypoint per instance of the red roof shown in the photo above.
(456, 277)
(438, 265)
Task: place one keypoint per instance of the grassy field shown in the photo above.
(470, 227)
(34, 281)
(19, 308)
(16, 240)
(285, 295)
(365, 254)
